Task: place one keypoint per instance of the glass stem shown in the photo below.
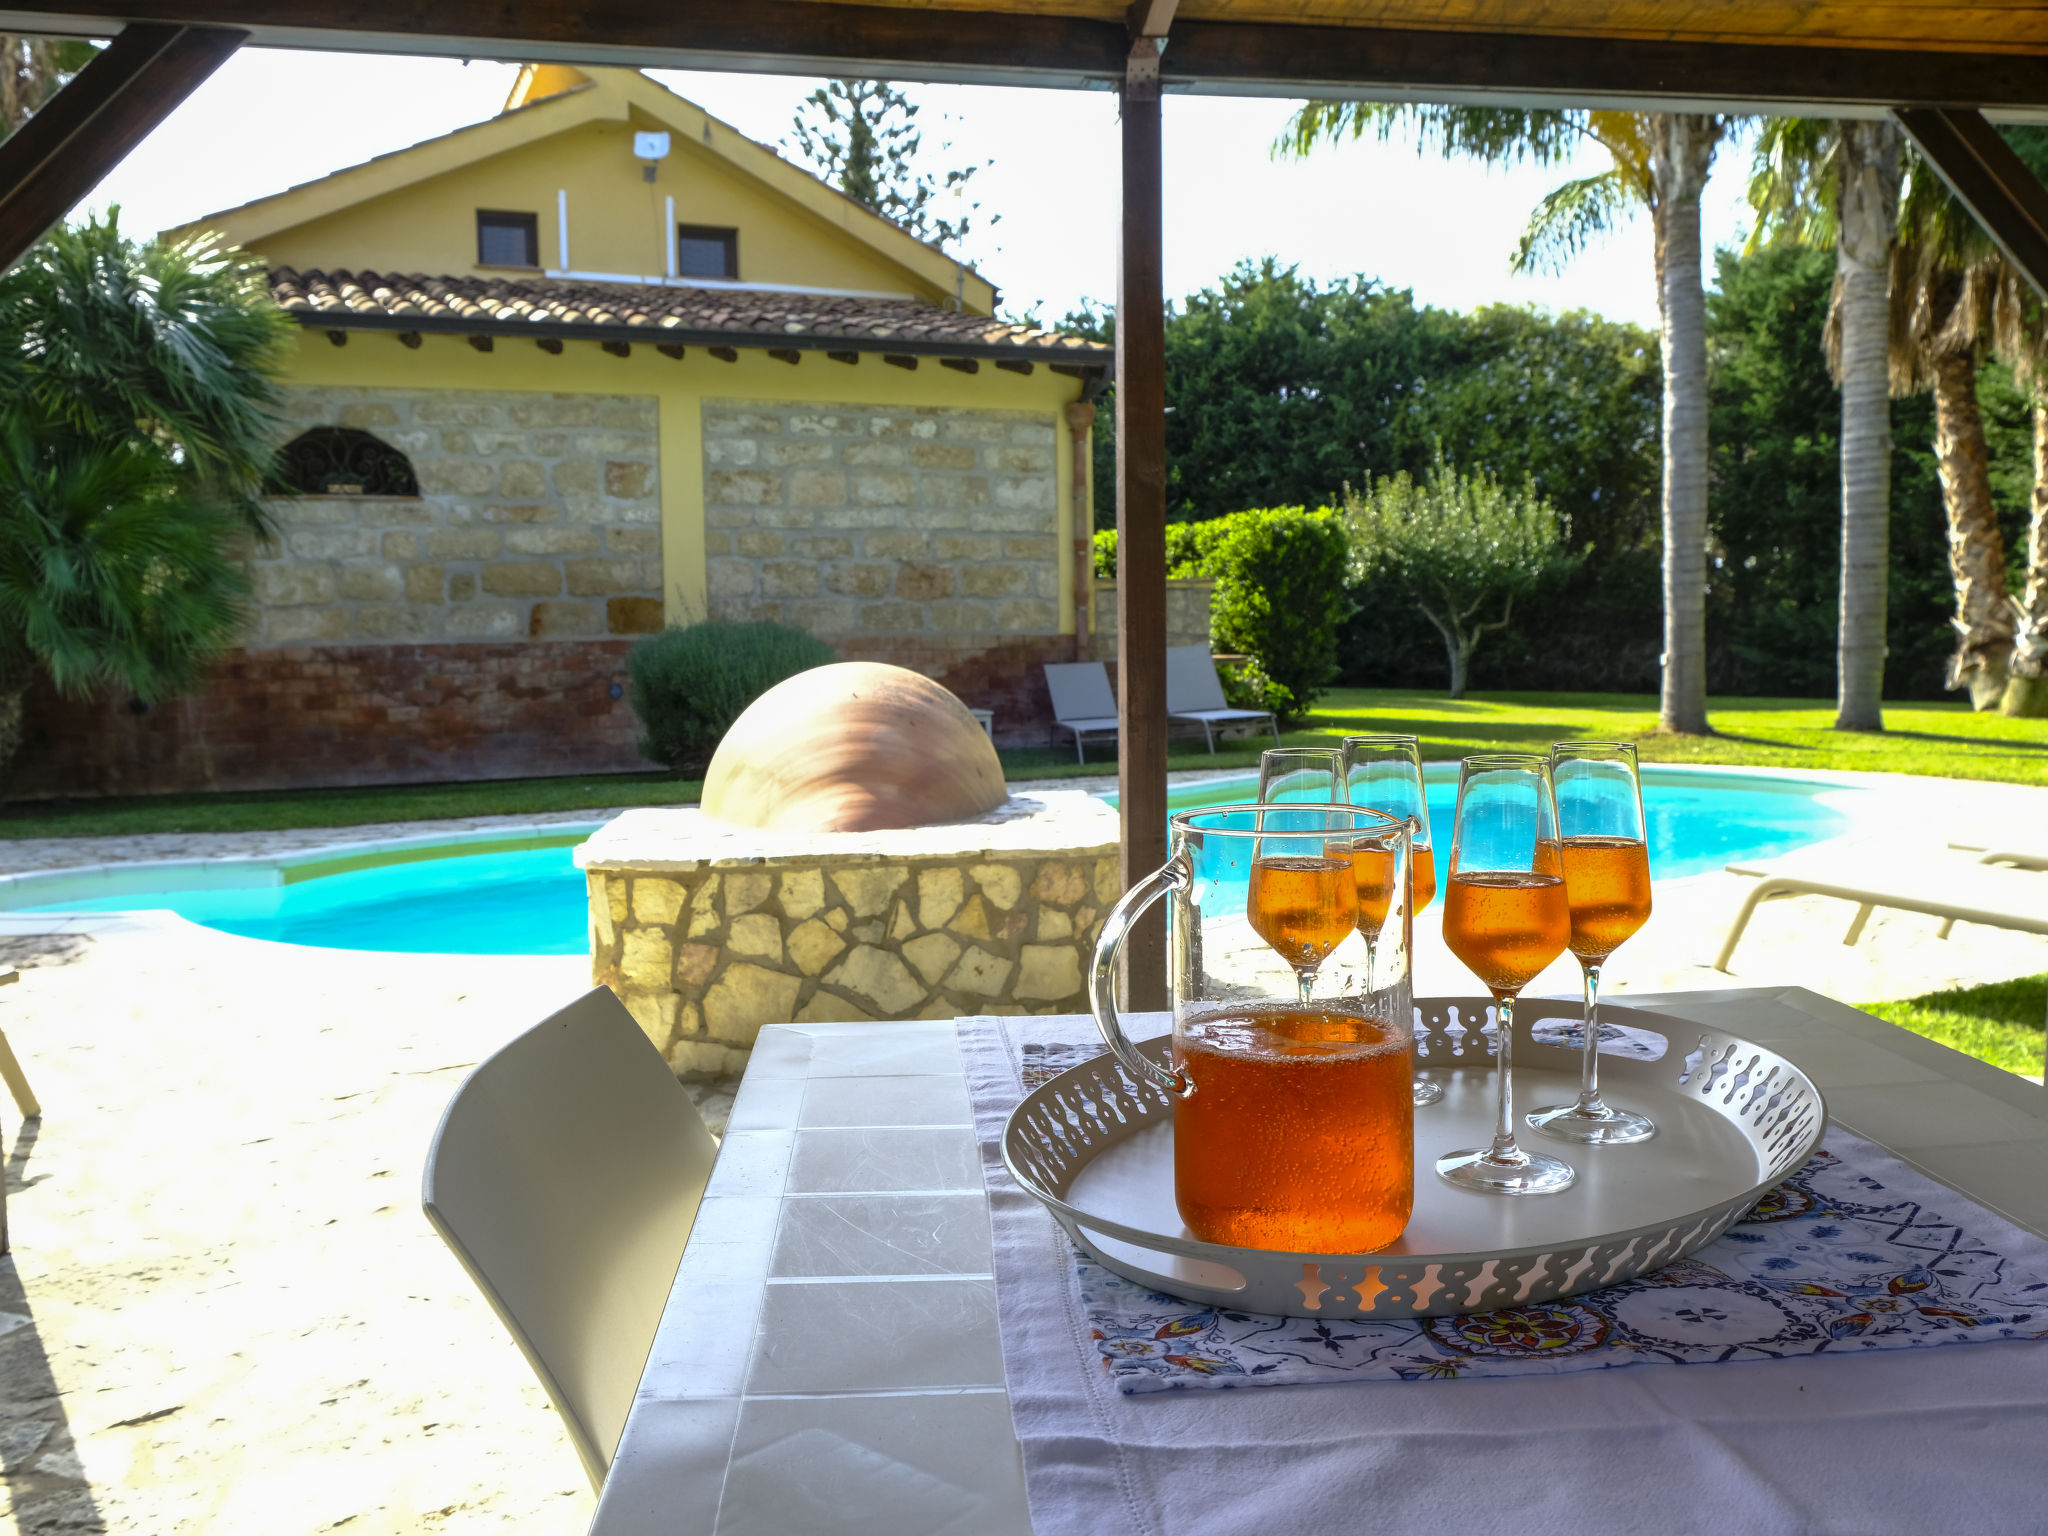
(1504, 1149)
(1371, 946)
(1305, 981)
(1589, 1069)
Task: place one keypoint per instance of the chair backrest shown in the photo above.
(565, 1176)
(1191, 680)
(1080, 690)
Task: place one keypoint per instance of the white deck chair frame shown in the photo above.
(1967, 893)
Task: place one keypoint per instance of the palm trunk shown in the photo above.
(1682, 148)
(2026, 689)
(13, 709)
(1869, 216)
(1976, 553)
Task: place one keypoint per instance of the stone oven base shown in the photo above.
(708, 932)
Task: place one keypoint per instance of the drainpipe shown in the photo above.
(1081, 422)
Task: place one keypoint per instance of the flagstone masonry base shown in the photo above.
(709, 931)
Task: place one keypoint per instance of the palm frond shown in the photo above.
(1569, 218)
(1795, 183)
(1495, 135)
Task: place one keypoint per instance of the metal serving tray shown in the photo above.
(1733, 1118)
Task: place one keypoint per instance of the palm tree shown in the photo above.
(178, 346)
(2020, 335)
(32, 70)
(115, 571)
(1660, 161)
(1837, 183)
(1946, 277)
(138, 394)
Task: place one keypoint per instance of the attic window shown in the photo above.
(507, 239)
(342, 461)
(702, 251)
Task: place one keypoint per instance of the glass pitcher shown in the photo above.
(1293, 1117)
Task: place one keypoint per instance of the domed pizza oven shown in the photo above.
(853, 747)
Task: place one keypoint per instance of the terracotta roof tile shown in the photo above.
(741, 314)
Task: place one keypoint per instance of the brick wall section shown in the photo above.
(539, 516)
(371, 714)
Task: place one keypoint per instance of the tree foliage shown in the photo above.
(689, 684)
(1280, 596)
(1458, 548)
(1282, 391)
(863, 137)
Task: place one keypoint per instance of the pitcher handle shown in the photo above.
(1109, 948)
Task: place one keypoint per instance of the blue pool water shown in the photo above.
(532, 901)
(1698, 822)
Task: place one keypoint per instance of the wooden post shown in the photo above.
(86, 129)
(1141, 518)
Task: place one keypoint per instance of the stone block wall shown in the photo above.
(539, 517)
(855, 520)
(710, 932)
(1187, 615)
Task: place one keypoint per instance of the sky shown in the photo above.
(1446, 229)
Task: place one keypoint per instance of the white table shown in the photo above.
(829, 1359)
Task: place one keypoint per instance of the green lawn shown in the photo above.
(2000, 1023)
(1941, 739)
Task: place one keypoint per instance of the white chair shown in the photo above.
(1195, 692)
(1081, 701)
(565, 1176)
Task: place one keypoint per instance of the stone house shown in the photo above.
(595, 365)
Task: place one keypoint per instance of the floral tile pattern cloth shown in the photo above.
(1830, 1261)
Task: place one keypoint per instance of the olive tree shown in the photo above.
(1460, 547)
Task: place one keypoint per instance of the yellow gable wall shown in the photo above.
(616, 219)
(374, 360)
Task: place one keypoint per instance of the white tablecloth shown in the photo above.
(1947, 1439)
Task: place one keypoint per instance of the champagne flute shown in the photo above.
(1607, 885)
(1384, 773)
(1505, 916)
(1302, 898)
(1301, 775)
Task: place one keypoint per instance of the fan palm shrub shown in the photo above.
(115, 571)
(138, 423)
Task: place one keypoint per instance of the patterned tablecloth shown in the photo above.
(1838, 1258)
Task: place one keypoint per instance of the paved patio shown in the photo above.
(225, 1313)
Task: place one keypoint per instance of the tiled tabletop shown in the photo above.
(829, 1359)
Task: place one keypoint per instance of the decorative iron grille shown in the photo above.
(342, 461)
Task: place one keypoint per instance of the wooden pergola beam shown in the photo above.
(1991, 181)
(1214, 57)
(1141, 500)
(1538, 69)
(88, 128)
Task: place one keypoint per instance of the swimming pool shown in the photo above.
(524, 896)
